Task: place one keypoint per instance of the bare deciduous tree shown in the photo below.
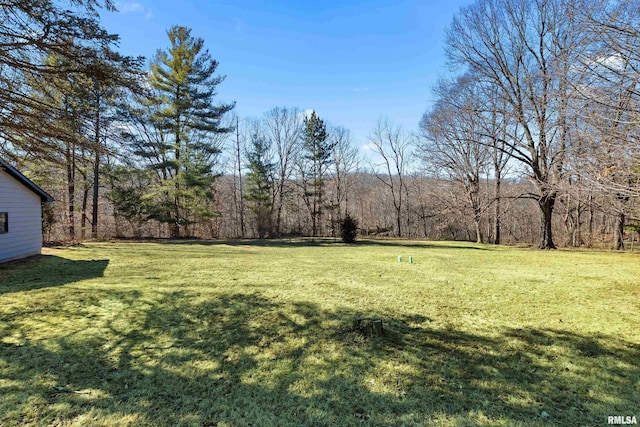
(525, 49)
(392, 145)
(452, 141)
(283, 127)
(345, 162)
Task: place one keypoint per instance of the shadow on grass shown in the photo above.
(243, 359)
(415, 244)
(308, 242)
(45, 271)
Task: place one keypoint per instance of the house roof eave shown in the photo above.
(44, 196)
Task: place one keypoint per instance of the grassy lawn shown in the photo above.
(259, 334)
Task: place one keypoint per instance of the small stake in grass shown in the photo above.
(399, 259)
(410, 260)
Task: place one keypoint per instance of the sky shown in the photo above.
(353, 62)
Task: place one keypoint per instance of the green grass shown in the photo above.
(258, 334)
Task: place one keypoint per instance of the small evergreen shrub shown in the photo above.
(349, 229)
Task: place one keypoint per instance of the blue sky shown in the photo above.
(351, 61)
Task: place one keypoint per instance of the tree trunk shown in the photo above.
(477, 216)
(618, 236)
(314, 220)
(496, 224)
(425, 228)
(279, 210)
(239, 164)
(96, 191)
(96, 172)
(577, 232)
(174, 228)
(85, 203)
(546, 203)
(472, 189)
(71, 189)
(407, 222)
(332, 219)
(116, 224)
(478, 231)
(590, 224)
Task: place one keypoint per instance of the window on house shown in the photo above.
(4, 222)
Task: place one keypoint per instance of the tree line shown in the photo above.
(532, 138)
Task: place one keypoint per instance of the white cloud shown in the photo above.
(361, 89)
(368, 147)
(134, 8)
(613, 62)
(130, 7)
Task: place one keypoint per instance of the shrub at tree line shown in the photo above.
(349, 229)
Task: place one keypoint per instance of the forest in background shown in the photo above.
(532, 138)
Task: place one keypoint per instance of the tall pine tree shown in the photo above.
(110, 78)
(189, 124)
(260, 184)
(72, 134)
(317, 158)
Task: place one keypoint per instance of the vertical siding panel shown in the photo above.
(25, 219)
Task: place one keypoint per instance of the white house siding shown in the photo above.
(25, 219)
